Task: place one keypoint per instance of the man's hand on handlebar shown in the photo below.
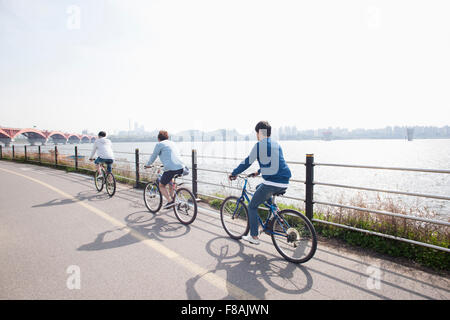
(251, 175)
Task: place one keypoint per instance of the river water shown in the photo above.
(423, 154)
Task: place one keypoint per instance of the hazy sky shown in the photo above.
(73, 65)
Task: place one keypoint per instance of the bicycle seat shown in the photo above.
(280, 193)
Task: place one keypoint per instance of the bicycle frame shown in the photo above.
(103, 170)
(273, 211)
(101, 167)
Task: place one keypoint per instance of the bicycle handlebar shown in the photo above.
(243, 176)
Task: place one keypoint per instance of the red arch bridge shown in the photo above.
(8, 135)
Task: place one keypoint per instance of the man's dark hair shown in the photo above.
(264, 125)
(102, 134)
(163, 135)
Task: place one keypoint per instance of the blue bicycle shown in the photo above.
(293, 235)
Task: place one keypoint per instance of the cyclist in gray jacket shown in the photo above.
(169, 156)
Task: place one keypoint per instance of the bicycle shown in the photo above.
(293, 235)
(185, 207)
(104, 178)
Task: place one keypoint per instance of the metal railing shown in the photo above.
(309, 183)
(360, 209)
(53, 156)
(310, 202)
(440, 197)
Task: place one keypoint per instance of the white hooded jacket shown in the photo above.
(103, 147)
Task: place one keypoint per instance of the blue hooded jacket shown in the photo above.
(273, 167)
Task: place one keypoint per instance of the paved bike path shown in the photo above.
(51, 220)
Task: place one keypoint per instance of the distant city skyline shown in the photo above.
(292, 133)
(284, 132)
(34, 135)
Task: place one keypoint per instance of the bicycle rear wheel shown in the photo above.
(185, 207)
(99, 180)
(152, 197)
(294, 236)
(110, 183)
(234, 217)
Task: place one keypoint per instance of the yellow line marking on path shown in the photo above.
(197, 270)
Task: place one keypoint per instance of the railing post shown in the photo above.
(25, 151)
(194, 172)
(137, 167)
(76, 158)
(309, 193)
(39, 154)
(13, 153)
(56, 155)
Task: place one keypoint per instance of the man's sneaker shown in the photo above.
(250, 239)
(169, 205)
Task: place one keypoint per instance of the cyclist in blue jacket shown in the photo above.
(273, 168)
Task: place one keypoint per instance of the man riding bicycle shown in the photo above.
(169, 156)
(274, 170)
(105, 154)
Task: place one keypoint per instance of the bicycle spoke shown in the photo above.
(99, 181)
(110, 184)
(152, 197)
(294, 236)
(234, 217)
(185, 207)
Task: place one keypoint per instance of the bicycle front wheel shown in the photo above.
(234, 217)
(185, 207)
(99, 180)
(152, 197)
(294, 236)
(110, 184)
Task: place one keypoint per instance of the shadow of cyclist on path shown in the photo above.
(154, 228)
(246, 271)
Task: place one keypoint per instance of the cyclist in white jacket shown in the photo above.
(105, 154)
